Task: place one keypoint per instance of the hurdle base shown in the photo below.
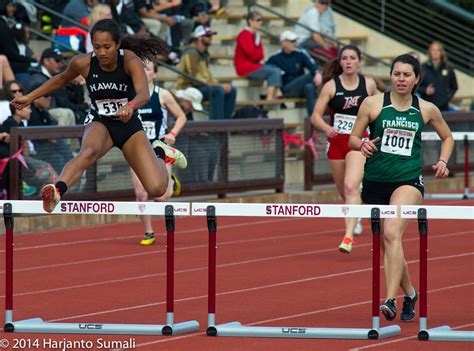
(236, 329)
(449, 196)
(37, 325)
(445, 333)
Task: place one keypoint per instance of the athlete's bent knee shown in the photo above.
(158, 190)
(90, 155)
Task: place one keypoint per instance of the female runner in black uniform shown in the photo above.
(117, 87)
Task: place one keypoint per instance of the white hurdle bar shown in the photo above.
(423, 213)
(37, 325)
(293, 210)
(457, 136)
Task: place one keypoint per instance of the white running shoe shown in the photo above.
(358, 228)
(173, 156)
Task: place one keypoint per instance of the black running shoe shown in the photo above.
(408, 309)
(389, 309)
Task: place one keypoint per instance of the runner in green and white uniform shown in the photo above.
(392, 174)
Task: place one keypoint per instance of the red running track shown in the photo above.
(271, 272)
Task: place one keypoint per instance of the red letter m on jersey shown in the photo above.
(351, 101)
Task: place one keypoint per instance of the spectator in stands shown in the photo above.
(195, 62)
(439, 82)
(6, 72)
(38, 171)
(11, 89)
(22, 38)
(54, 151)
(202, 149)
(249, 55)
(78, 10)
(320, 20)
(19, 63)
(51, 63)
(189, 100)
(123, 12)
(98, 12)
(13, 11)
(216, 7)
(292, 62)
(151, 14)
(192, 13)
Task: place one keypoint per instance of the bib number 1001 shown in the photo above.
(397, 142)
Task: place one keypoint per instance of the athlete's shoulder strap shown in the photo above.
(386, 99)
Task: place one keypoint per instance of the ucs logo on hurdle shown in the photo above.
(84, 326)
(293, 330)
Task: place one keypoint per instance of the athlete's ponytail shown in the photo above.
(333, 68)
(145, 48)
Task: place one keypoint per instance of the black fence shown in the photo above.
(223, 157)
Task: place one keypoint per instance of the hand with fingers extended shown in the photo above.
(441, 169)
(21, 101)
(368, 147)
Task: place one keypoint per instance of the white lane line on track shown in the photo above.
(335, 308)
(268, 286)
(392, 341)
(178, 232)
(219, 266)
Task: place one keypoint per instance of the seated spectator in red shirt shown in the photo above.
(249, 55)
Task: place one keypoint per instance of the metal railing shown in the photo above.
(223, 157)
(417, 24)
(296, 23)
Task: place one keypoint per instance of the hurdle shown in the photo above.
(422, 214)
(37, 325)
(211, 211)
(457, 136)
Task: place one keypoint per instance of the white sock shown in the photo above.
(412, 296)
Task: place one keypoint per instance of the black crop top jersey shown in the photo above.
(344, 106)
(108, 91)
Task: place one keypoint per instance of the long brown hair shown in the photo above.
(333, 68)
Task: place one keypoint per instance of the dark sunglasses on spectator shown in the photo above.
(14, 91)
(46, 96)
(259, 19)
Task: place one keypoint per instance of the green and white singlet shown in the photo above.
(399, 155)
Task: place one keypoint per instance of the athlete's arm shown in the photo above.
(327, 92)
(172, 106)
(371, 86)
(74, 68)
(433, 116)
(363, 119)
(135, 69)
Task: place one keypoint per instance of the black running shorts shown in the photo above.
(379, 193)
(119, 132)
